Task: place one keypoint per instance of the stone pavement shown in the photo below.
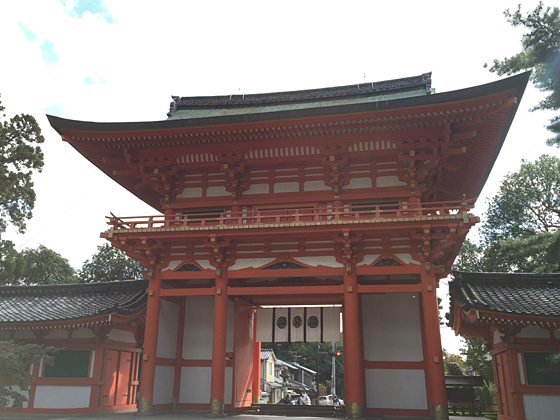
(187, 416)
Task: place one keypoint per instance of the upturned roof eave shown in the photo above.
(519, 82)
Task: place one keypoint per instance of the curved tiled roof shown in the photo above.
(61, 302)
(422, 81)
(516, 294)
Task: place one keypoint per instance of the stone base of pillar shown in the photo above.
(439, 412)
(355, 411)
(144, 405)
(256, 400)
(216, 409)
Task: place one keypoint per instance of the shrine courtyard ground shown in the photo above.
(190, 416)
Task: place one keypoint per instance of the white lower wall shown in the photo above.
(163, 384)
(121, 335)
(62, 396)
(195, 385)
(396, 388)
(391, 324)
(167, 329)
(199, 325)
(541, 407)
(17, 389)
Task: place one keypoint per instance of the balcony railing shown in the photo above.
(293, 216)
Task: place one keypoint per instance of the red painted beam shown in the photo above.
(389, 288)
(290, 290)
(202, 291)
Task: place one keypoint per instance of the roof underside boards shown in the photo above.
(536, 295)
(68, 302)
(487, 110)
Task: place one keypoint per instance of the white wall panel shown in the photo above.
(356, 183)
(83, 333)
(16, 388)
(388, 181)
(57, 334)
(24, 334)
(167, 329)
(541, 407)
(286, 187)
(407, 259)
(190, 193)
(62, 396)
(325, 261)
(257, 189)
(396, 388)
(391, 324)
(4, 335)
(230, 325)
(318, 185)
(228, 391)
(532, 331)
(199, 323)
(241, 263)
(195, 385)
(122, 336)
(163, 384)
(219, 191)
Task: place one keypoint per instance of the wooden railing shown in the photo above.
(291, 215)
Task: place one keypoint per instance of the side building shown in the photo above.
(99, 329)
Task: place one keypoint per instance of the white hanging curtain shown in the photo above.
(298, 324)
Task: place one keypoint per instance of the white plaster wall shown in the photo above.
(318, 185)
(326, 261)
(532, 331)
(57, 334)
(241, 263)
(388, 181)
(520, 368)
(396, 388)
(191, 193)
(24, 335)
(167, 329)
(356, 183)
(196, 382)
(541, 407)
(199, 324)
(286, 187)
(407, 259)
(4, 335)
(83, 333)
(172, 265)
(557, 333)
(217, 192)
(62, 396)
(496, 337)
(368, 259)
(122, 336)
(392, 327)
(257, 189)
(163, 384)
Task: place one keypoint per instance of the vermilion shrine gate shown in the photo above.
(356, 195)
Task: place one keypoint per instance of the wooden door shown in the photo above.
(123, 384)
(111, 370)
(243, 354)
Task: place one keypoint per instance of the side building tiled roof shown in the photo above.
(65, 302)
(507, 293)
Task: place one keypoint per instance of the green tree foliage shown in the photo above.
(541, 53)
(477, 356)
(306, 355)
(110, 264)
(449, 358)
(45, 266)
(20, 157)
(14, 370)
(470, 258)
(528, 202)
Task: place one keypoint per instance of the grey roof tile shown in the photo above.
(60, 302)
(519, 294)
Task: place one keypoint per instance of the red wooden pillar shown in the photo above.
(179, 354)
(150, 344)
(436, 393)
(256, 386)
(354, 370)
(217, 388)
